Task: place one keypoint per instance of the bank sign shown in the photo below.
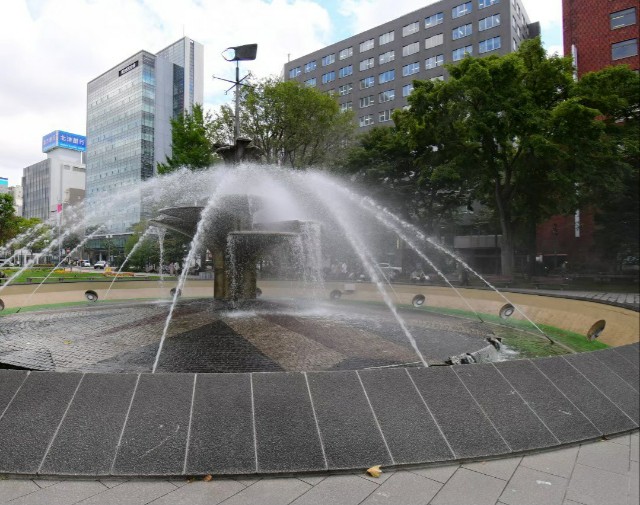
(63, 139)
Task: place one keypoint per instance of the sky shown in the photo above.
(51, 49)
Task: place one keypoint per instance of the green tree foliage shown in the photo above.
(290, 123)
(191, 142)
(8, 219)
(148, 253)
(518, 131)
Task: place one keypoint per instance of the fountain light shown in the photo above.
(596, 329)
(336, 294)
(418, 300)
(91, 295)
(173, 292)
(507, 311)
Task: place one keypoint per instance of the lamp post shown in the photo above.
(109, 237)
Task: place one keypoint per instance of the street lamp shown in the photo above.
(109, 237)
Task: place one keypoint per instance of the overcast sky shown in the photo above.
(50, 49)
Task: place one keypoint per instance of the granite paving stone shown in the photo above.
(277, 491)
(465, 483)
(630, 352)
(221, 436)
(559, 462)
(404, 488)
(502, 468)
(155, 434)
(349, 431)
(512, 417)
(618, 391)
(594, 486)
(337, 490)
(287, 436)
(10, 381)
(11, 489)
(63, 493)
(409, 429)
(634, 483)
(201, 493)
(131, 493)
(599, 409)
(633, 445)
(564, 420)
(606, 456)
(32, 419)
(86, 441)
(620, 365)
(465, 426)
(45, 482)
(438, 473)
(531, 487)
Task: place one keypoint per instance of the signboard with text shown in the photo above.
(64, 139)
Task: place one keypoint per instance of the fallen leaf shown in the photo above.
(374, 471)
(67, 342)
(207, 478)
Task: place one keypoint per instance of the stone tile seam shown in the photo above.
(616, 373)
(124, 425)
(482, 410)
(315, 418)
(435, 421)
(186, 449)
(623, 356)
(15, 394)
(526, 403)
(64, 415)
(375, 418)
(602, 392)
(253, 422)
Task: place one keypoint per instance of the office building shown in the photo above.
(45, 184)
(129, 108)
(600, 33)
(372, 73)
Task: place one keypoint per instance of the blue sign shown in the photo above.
(63, 139)
(4, 181)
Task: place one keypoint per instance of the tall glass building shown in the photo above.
(129, 108)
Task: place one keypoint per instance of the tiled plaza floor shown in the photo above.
(604, 472)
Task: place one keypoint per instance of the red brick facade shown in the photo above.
(586, 25)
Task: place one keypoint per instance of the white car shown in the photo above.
(85, 263)
(100, 265)
(389, 271)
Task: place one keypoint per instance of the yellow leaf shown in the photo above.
(374, 471)
(67, 342)
(207, 478)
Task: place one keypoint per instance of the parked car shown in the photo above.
(389, 271)
(100, 265)
(85, 263)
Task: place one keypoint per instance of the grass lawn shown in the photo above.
(37, 275)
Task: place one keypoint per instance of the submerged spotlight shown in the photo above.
(596, 329)
(1, 304)
(91, 295)
(507, 311)
(336, 294)
(418, 300)
(173, 292)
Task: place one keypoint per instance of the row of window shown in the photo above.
(383, 116)
(385, 38)
(624, 49)
(622, 18)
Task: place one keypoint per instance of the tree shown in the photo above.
(513, 127)
(191, 143)
(9, 222)
(291, 124)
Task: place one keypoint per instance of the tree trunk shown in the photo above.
(506, 251)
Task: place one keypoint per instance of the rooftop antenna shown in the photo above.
(239, 53)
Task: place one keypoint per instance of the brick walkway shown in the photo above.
(603, 472)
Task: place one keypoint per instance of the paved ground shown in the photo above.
(628, 299)
(603, 472)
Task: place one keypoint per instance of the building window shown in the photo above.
(624, 49)
(410, 69)
(486, 3)
(489, 22)
(410, 28)
(458, 54)
(461, 32)
(367, 82)
(366, 120)
(387, 76)
(366, 101)
(489, 45)
(515, 45)
(310, 67)
(345, 53)
(328, 59)
(387, 96)
(434, 20)
(626, 17)
(367, 64)
(328, 77)
(387, 57)
(461, 10)
(365, 46)
(434, 41)
(310, 82)
(294, 72)
(410, 49)
(344, 107)
(385, 115)
(345, 89)
(434, 61)
(345, 71)
(385, 38)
